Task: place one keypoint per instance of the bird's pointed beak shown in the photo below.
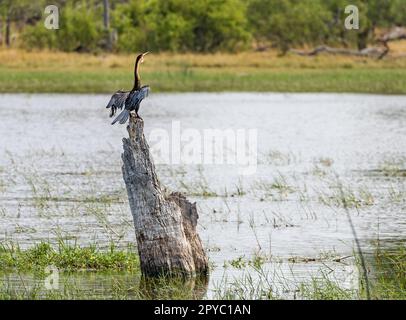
(145, 53)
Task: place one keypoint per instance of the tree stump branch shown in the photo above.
(165, 224)
(394, 34)
(397, 33)
(374, 52)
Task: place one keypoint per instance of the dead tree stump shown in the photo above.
(165, 224)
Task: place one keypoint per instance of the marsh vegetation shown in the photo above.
(280, 233)
(42, 71)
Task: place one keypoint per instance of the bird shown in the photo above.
(130, 100)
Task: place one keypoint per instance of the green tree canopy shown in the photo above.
(201, 25)
(182, 25)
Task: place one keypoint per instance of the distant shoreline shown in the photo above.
(57, 72)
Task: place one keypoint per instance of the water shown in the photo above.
(60, 175)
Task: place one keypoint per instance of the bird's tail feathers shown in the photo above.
(122, 117)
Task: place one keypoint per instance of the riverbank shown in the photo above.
(56, 72)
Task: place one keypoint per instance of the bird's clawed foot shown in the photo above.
(135, 115)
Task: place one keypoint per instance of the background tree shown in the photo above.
(106, 23)
(80, 29)
(18, 13)
(397, 12)
(182, 25)
(197, 26)
(289, 23)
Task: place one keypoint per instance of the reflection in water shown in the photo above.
(92, 285)
(174, 288)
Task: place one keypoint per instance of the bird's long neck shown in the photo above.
(137, 79)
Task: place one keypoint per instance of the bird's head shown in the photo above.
(140, 57)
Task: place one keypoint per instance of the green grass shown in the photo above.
(49, 72)
(86, 273)
(385, 81)
(389, 281)
(108, 286)
(115, 274)
(66, 258)
(325, 289)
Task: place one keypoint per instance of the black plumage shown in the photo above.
(130, 100)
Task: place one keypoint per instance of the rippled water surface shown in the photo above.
(60, 176)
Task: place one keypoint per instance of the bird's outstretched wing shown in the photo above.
(135, 99)
(117, 101)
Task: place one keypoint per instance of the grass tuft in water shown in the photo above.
(325, 289)
(67, 258)
(347, 198)
(389, 268)
(393, 167)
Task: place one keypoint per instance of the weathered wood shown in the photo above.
(374, 52)
(397, 33)
(165, 224)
